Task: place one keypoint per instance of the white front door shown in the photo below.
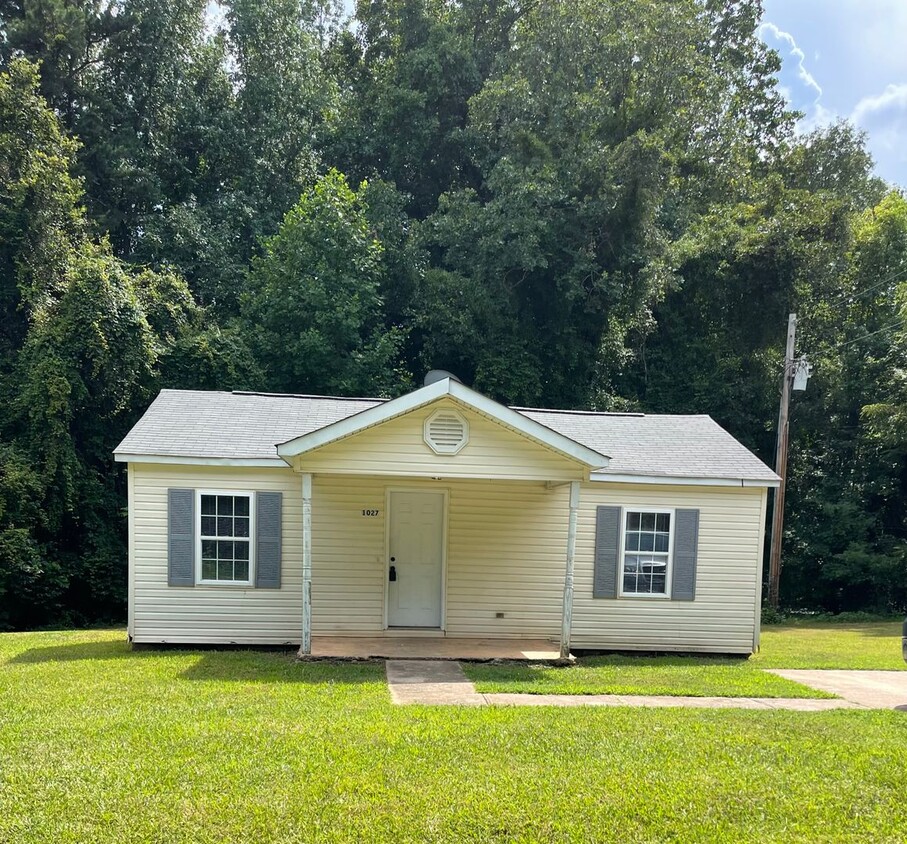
(415, 545)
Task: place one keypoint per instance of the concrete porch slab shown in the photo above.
(441, 648)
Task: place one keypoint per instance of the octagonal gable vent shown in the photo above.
(446, 432)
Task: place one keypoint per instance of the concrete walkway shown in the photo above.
(432, 682)
(443, 683)
(872, 689)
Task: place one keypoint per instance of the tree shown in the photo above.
(83, 335)
(40, 216)
(314, 306)
(600, 133)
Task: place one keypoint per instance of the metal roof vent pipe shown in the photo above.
(436, 375)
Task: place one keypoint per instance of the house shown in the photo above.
(269, 519)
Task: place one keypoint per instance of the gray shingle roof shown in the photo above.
(658, 445)
(198, 424)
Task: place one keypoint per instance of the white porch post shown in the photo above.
(307, 563)
(567, 615)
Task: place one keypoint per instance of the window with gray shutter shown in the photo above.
(607, 552)
(226, 537)
(181, 537)
(268, 526)
(686, 542)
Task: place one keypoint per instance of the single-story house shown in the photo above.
(266, 519)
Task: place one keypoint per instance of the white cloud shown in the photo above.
(884, 117)
(891, 103)
(786, 38)
(803, 91)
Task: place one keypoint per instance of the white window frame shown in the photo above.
(669, 569)
(235, 493)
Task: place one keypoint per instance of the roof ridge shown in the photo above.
(293, 395)
(629, 413)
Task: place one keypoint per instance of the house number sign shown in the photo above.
(370, 513)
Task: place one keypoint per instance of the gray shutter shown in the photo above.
(686, 541)
(607, 552)
(268, 521)
(181, 537)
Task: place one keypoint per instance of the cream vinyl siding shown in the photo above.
(398, 448)
(505, 553)
(499, 558)
(217, 613)
(723, 618)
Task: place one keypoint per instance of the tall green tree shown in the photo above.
(601, 132)
(314, 306)
(82, 337)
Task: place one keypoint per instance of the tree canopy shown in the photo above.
(600, 204)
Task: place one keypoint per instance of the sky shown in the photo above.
(847, 59)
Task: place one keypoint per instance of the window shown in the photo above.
(225, 530)
(647, 553)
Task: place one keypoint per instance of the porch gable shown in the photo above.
(391, 439)
(398, 448)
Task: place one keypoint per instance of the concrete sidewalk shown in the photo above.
(443, 683)
(872, 689)
(431, 682)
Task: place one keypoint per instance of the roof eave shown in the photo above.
(192, 460)
(683, 480)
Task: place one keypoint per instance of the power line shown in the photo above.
(899, 324)
(887, 280)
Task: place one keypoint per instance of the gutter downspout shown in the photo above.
(567, 614)
(306, 564)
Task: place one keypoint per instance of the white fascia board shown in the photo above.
(362, 420)
(669, 480)
(426, 395)
(174, 459)
(528, 427)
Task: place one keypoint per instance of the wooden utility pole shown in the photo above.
(774, 563)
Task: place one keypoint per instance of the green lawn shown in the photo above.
(798, 645)
(100, 744)
(639, 675)
(811, 645)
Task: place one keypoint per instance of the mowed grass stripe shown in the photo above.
(639, 675)
(100, 744)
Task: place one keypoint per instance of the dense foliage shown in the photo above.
(597, 204)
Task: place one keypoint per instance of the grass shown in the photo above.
(800, 644)
(805, 644)
(101, 744)
(639, 675)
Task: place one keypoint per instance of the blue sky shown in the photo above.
(847, 58)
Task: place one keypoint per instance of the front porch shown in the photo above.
(430, 647)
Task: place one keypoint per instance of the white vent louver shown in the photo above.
(446, 432)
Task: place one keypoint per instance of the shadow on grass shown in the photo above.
(78, 651)
(659, 660)
(214, 663)
(263, 667)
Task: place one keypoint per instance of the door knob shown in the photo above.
(393, 573)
